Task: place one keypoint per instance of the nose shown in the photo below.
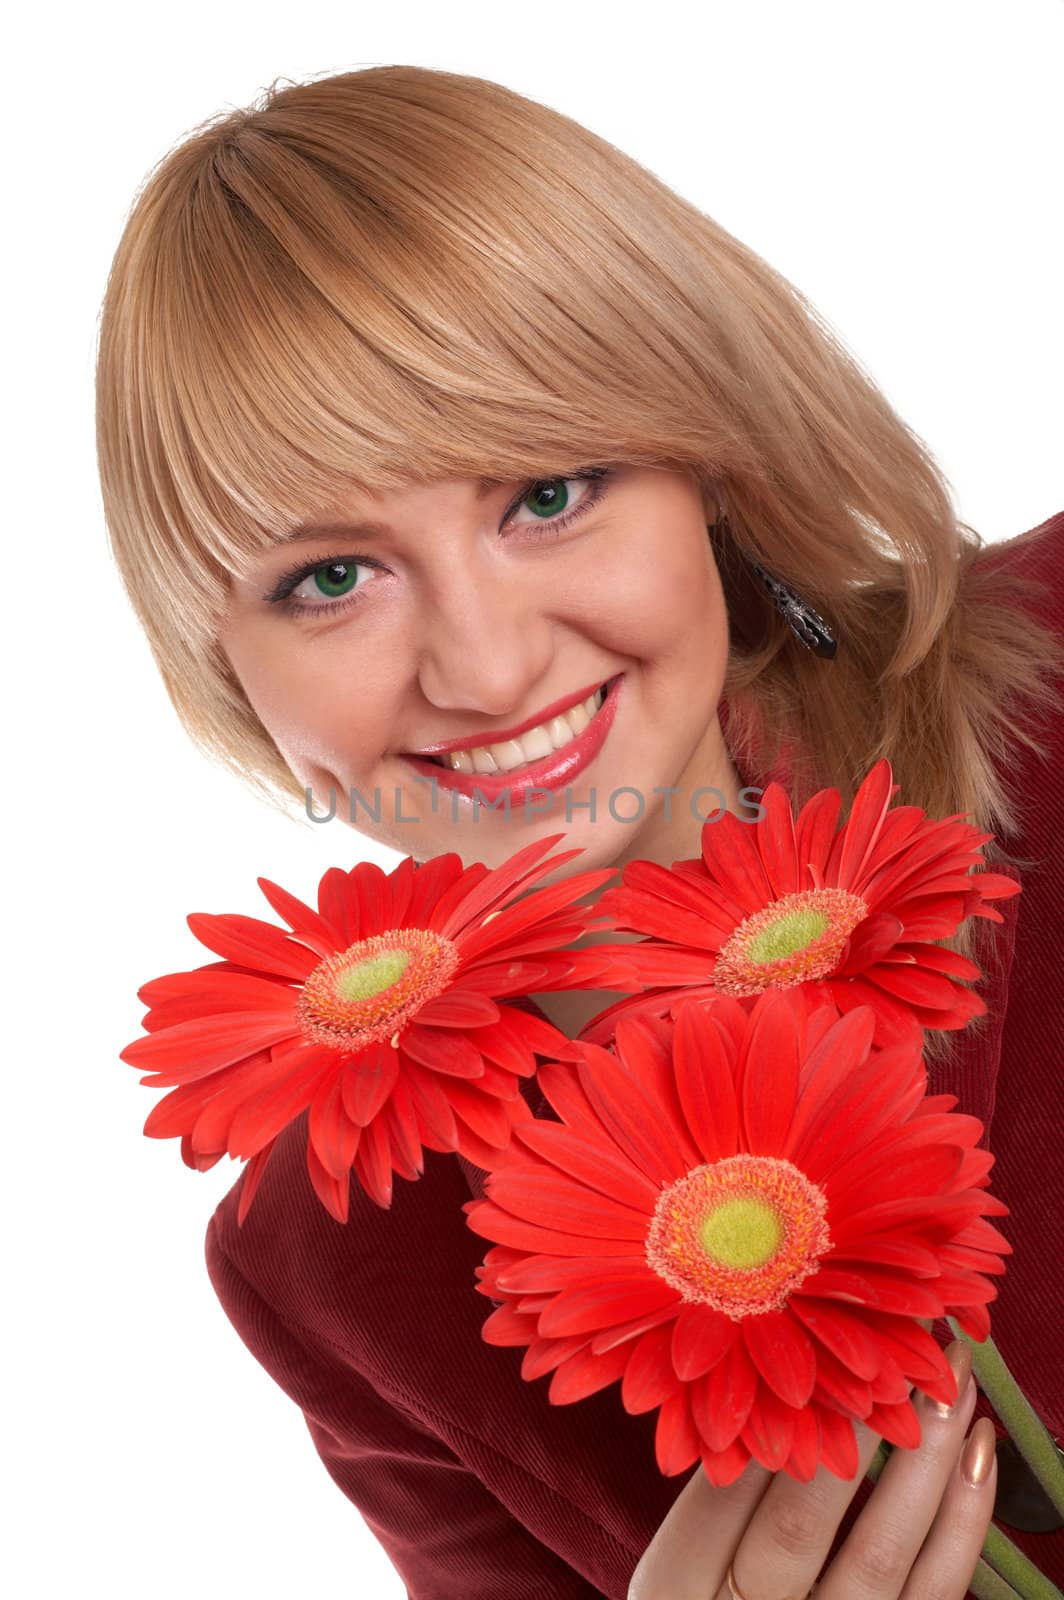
(484, 641)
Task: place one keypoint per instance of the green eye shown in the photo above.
(549, 499)
(557, 497)
(338, 578)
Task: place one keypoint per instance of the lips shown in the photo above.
(549, 772)
(503, 735)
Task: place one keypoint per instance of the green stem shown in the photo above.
(1010, 1561)
(987, 1585)
(1018, 1416)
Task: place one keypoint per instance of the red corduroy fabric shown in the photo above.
(476, 1486)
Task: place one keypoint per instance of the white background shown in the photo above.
(900, 162)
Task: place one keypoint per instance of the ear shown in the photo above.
(710, 507)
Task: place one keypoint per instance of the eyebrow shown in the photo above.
(372, 529)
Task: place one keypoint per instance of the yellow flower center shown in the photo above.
(372, 976)
(739, 1235)
(795, 939)
(370, 990)
(786, 935)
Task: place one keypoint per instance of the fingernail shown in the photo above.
(978, 1455)
(959, 1356)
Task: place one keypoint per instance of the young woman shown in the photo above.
(425, 415)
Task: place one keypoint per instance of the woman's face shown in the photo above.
(463, 615)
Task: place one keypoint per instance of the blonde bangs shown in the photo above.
(312, 320)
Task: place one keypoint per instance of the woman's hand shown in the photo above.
(918, 1537)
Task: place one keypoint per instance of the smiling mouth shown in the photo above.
(543, 740)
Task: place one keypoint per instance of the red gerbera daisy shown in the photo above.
(741, 1215)
(788, 901)
(379, 1012)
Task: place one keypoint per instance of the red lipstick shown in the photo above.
(549, 772)
(499, 735)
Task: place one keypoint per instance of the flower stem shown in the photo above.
(1018, 1416)
(878, 1461)
(986, 1584)
(1021, 1572)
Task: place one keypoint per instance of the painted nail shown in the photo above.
(959, 1356)
(978, 1455)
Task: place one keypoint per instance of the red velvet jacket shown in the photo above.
(477, 1487)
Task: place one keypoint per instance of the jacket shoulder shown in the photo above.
(1036, 557)
(1029, 568)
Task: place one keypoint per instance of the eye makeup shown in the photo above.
(282, 595)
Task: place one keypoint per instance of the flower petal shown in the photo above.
(733, 861)
(441, 1050)
(373, 1162)
(846, 1336)
(649, 1379)
(498, 1225)
(628, 1115)
(458, 1008)
(814, 834)
(777, 842)
(769, 1068)
(254, 943)
(552, 1201)
(897, 1423)
(700, 1338)
(915, 984)
(769, 1430)
(310, 928)
(624, 1332)
(838, 1444)
(705, 1082)
(193, 1049)
(334, 1193)
(593, 1165)
(722, 1398)
(367, 1081)
(783, 1354)
(676, 1443)
(256, 1122)
(486, 1114)
(583, 1374)
(540, 1274)
(854, 843)
(332, 1133)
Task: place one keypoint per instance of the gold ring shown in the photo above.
(737, 1594)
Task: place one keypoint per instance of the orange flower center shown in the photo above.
(793, 940)
(368, 991)
(739, 1235)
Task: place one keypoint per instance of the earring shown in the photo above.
(805, 623)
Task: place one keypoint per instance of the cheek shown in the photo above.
(320, 707)
(668, 607)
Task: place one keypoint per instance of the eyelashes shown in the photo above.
(282, 594)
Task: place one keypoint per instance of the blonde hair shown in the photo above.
(400, 274)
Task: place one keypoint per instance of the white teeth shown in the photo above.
(507, 755)
(531, 746)
(535, 743)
